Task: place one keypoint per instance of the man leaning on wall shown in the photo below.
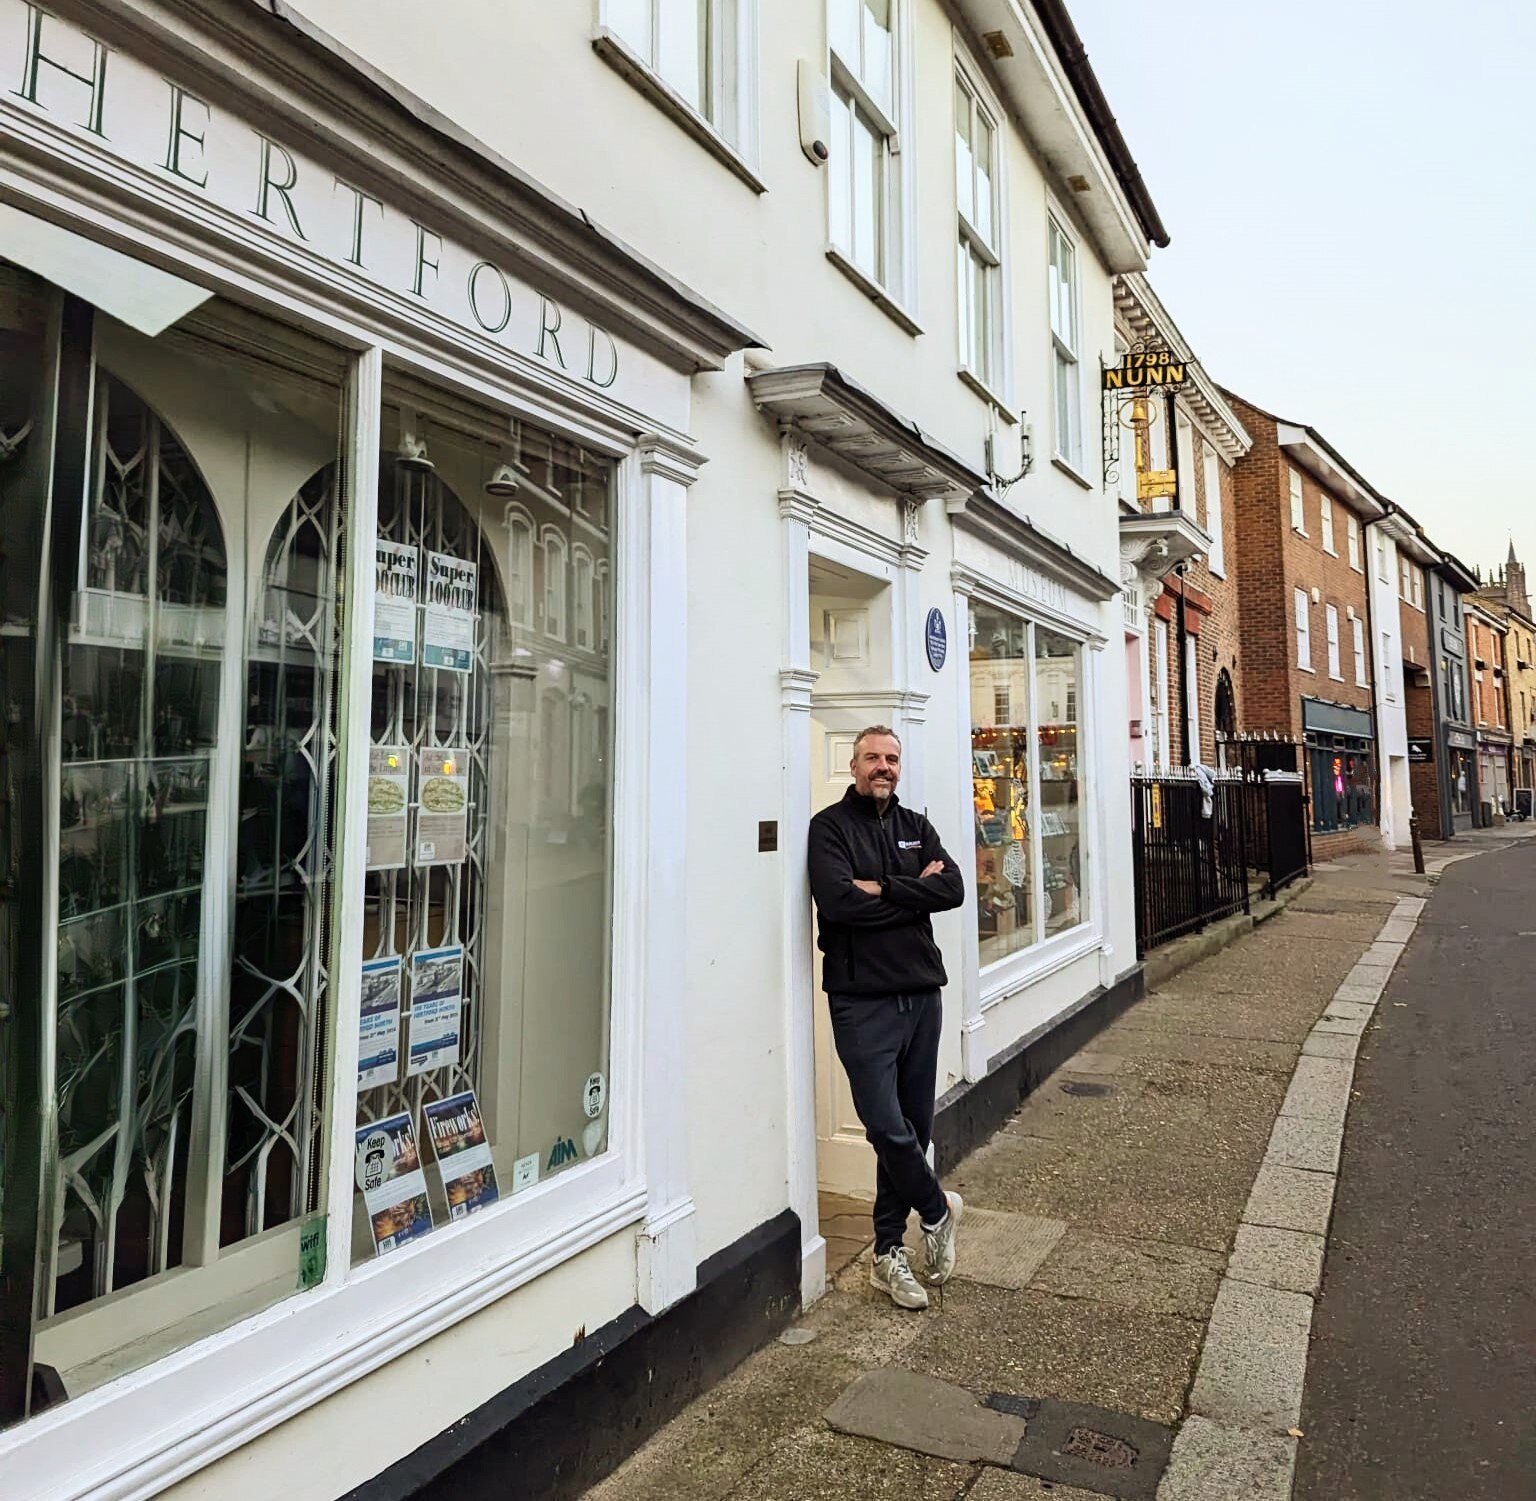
(878, 873)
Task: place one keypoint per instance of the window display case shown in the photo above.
(1025, 782)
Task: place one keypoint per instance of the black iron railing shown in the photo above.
(1190, 849)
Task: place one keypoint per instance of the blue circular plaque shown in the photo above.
(937, 639)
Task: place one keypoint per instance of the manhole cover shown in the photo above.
(1099, 1448)
(1084, 1089)
(1092, 1448)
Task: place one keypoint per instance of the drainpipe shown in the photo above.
(1191, 752)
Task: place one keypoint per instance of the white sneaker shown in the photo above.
(892, 1274)
(939, 1242)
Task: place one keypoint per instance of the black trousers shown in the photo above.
(889, 1047)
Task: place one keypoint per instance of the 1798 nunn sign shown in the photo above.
(1142, 368)
(56, 75)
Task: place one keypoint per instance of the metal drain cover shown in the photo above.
(1093, 1448)
(1086, 1090)
(1099, 1448)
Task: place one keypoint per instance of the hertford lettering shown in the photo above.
(59, 72)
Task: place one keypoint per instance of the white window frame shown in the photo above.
(1325, 517)
(169, 1419)
(1184, 448)
(583, 605)
(1298, 502)
(1335, 666)
(1303, 630)
(520, 523)
(893, 283)
(1405, 578)
(1066, 359)
(556, 603)
(1356, 559)
(1211, 466)
(726, 122)
(1361, 678)
(1192, 698)
(976, 254)
(1163, 725)
(1005, 977)
(1418, 587)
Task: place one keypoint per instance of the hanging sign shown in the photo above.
(378, 1028)
(389, 788)
(1421, 752)
(437, 998)
(394, 1188)
(442, 813)
(396, 589)
(457, 1133)
(448, 619)
(1146, 367)
(936, 638)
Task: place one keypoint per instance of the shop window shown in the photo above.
(1025, 689)
(486, 978)
(173, 848)
(1002, 773)
(1066, 380)
(1058, 663)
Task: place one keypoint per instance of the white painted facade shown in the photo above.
(1393, 543)
(773, 588)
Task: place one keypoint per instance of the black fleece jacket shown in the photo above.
(879, 945)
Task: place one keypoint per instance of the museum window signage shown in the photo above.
(172, 1037)
(170, 982)
(1027, 782)
(483, 1051)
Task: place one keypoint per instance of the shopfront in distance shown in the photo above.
(341, 518)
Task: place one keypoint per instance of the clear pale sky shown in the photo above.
(1350, 188)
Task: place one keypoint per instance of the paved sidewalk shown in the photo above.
(1111, 1304)
(1094, 1254)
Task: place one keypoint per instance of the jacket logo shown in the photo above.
(909, 844)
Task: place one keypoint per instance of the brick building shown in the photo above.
(1178, 537)
(1507, 597)
(1486, 634)
(1306, 640)
(1455, 749)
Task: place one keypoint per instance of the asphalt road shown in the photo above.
(1422, 1376)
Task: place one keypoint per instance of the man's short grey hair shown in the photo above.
(874, 729)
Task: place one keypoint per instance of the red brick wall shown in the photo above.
(1274, 561)
(1255, 560)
